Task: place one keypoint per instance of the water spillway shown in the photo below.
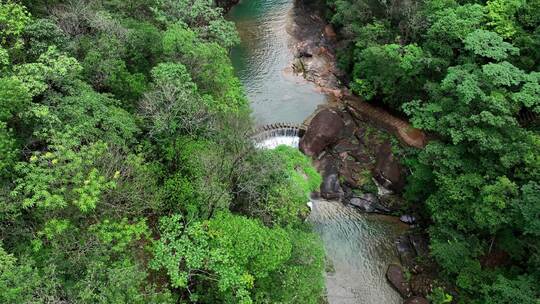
(274, 135)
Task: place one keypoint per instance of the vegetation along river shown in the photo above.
(359, 247)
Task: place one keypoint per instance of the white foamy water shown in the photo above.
(272, 143)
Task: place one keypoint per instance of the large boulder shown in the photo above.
(408, 219)
(368, 202)
(330, 187)
(388, 171)
(324, 130)
(416, 300)
(395, 276)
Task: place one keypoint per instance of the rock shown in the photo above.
(363, 205)
(416, 300)
(368, 202)
(362, 156)
(305, 49)
(350, 125)
(330, 187)
(351, 171)
(407, 219)
(329, 31)
(345, 146)
(324, 130)
(405, 251)
(388, 171)
(395, 276)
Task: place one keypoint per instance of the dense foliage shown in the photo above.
(467, 72)
(125, 172)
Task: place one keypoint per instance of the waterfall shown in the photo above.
(274, 135)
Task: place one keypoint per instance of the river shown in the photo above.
(359, 247)
(263, 59)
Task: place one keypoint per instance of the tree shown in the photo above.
(298, 280)
(228, 254)
(61, 177)
(13, 20)
(389, 72)
(202, 16)
(174, 107)
(116, 116)
(275, 185)
(209, 66)
(18, 280)
(8, 151)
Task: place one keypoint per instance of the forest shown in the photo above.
(467, 72)
(126, 173)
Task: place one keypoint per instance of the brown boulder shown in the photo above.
(388, 171)
(329, 32)
(330, 187)
(395, 276)
(324, 130)
(416, 300)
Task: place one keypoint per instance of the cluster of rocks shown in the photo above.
(355, 160)
(313, 50)
(359, 168)
(414, 279)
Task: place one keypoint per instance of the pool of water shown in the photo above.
(263, 63)
(359, 247)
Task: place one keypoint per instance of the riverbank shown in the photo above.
(315, 60)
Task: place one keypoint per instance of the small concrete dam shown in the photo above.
(273, 135)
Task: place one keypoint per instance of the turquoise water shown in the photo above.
(263, 63)
(359, 247)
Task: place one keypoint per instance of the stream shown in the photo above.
(359, 247)
(262, 62)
